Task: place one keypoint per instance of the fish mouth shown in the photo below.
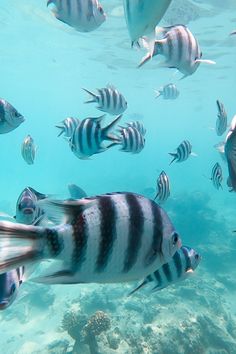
(28, 211)
(3, 305)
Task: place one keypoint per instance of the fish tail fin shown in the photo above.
(62, 129)
(94, 97)
(158, 93)
(174, 157)
(153, 47)
(105, 131)
(20, 245)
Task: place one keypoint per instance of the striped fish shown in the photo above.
(82, 15)
(139, 126)
(221, 122)
(180, 49)
(131, 140)
(10, 283)
(110, 238)
(217, 176)
(109, 100)
(183, 263)
(88, 137)
(10, 118)
(143, 16)
(234, 32)
(168, 92)
(68, 126)
(163, 188)
(28, 150)
(182, 152)
(28, 210)
(230, 153)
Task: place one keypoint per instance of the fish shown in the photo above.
(163, 187)
(68, 126)
(76, 192)
(138, 125)
(88, 137)
(143, 16)
(110, 238)
(168, 92)
(221, 122)
(131, 140)
(82, 15)
(10, 118)
(109, 100)
(182, 152)
(230, 154)
(10, 283)
(28, 150)
(220, 147)
(217, 176)
(232, 33)
(179, 268)
(180, 49)
(28, 210)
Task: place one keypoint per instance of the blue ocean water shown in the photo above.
(44, 66)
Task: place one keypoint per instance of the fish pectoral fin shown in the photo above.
(60, 277)
(205, 61)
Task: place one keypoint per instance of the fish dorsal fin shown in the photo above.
(97, 119)
(112, 87)
(39, 195)
(64, 211)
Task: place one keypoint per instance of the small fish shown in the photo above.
(109, 100)
(139, 126)
(88, 137)
(10, 119)
(82, 15)
(28, 210)
(10, 283)
(76, 192)
(234, 32)
(217, 176)
(168, 92)
(131, 140)
(221, 122)
(110, 238)
(163, 187)
(182, 152)
(220, 147)
(230, 153)
(68, 126)
(183, 263)
(28, 150)
(143, 16)
(180, 49)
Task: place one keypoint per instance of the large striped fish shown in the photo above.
(131, 140)
(116, 237)
(88, 137)
(28, 150)
(217, 176)
(221, 122)
(143, 16)
(83, 15)
(163, 188)
(230, 153)
(183, 263)
(168, 92)
(68, 126)
(10, 118)
(180, 49)
(109, 100)
(182, 152)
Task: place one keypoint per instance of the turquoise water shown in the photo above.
(44, 66)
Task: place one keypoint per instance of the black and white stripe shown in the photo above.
(163, 187)
(230, 153)
(68, 126)
(131, 140)
(28, 150)
(83, 15)
(221, 122)
(138, 125)
(168, 92)
(217, 176)
(184, 261)
(109, 100)
(182, 152)
(9, 286)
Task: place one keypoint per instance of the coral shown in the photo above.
(73, 322)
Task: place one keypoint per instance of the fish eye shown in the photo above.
(175, 238)
(196, 256)
(100, 9)
(13, 289)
